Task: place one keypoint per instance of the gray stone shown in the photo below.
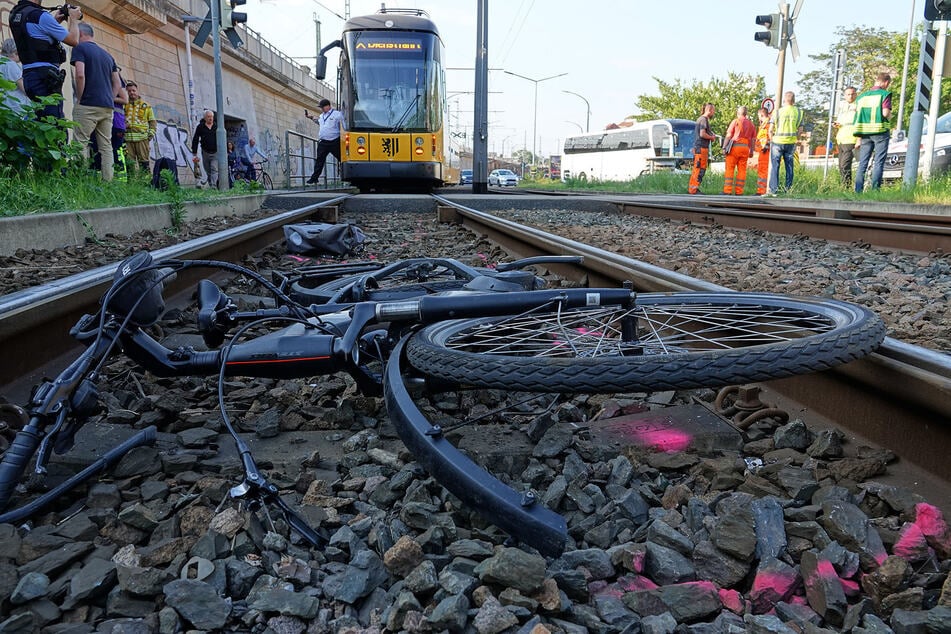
(766, 624)
(450, 614)
(492, 618)
(32, 585)
(666, 566)
(686, 602)
(735, 533)
(613, 611)
(793, 435)
(823, 588)
(103, 495)
(514, 568)
(142, 581)
(659, 624)
(364, 573)
(797, 613)
(634, 507)
(554, 442)
(95, 579)
(422, 579)
(769, 527)
(471, 548)
(663, 534)
(827, 444)
(872, 624)
(845, 561)
(717, 566)
(911, 622)
(198, 603)
(596, 562)
(775, 581)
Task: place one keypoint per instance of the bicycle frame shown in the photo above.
(332, 340)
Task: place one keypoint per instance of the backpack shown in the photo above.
(318, 238)
(164, 163)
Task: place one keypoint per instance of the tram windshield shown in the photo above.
(394, 81)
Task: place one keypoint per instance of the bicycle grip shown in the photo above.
(14, 462)
(210, 300)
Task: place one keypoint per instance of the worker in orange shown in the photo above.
(739, 139)
(701, 148)
(761, 151)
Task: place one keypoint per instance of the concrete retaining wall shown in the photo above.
(65, 229)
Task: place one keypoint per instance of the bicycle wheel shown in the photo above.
(266, 180)
(669, 341)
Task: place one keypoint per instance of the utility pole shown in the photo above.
(926, 61)
(480, 127)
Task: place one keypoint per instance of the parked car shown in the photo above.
(897, 150)
(465, 177)
(503, 178)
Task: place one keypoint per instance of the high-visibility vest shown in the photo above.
(762, 135)
(868, 115)
(788, 120)
(846, 121)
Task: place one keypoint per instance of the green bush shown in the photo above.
(30, 142)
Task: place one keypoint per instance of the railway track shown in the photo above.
(923, 233)
(902, 387)
(899, 398)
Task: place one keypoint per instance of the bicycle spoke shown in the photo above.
(662, 330)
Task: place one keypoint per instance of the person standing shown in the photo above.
(250, 151)
(742, 131)
(845, 139)
(786, 128)
(140, 128)
(97, 88)
(206, 135)
(761, 150)
(873, 108)
(328, 138)
(39, 37)
(10, 70)
(701, 148)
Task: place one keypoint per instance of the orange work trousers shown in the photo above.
(701, 159)
(734, 179)
(762, 169)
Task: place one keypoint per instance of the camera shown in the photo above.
(65, 10)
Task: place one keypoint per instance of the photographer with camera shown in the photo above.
(40, 35)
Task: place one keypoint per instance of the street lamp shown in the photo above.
(587, 122)
(577, 125)
(535, 120)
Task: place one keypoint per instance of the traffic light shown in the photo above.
(937, 10)
(230, 18)
(774, 35)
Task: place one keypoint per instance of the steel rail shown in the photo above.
(922, 233)
(899, 397)
(35, 322)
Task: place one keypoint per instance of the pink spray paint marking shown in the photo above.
(770, 586)
(935, 529)
(635, 583)
(732, 601)
(911, 543)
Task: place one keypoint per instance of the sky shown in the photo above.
(609, 50)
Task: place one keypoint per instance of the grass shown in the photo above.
(807, 184)
(80, 190)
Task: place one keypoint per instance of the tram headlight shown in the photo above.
(419, 145)
(361, 145)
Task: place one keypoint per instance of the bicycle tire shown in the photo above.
(266, 181)
(582, 352)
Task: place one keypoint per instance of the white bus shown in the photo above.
(626, 153)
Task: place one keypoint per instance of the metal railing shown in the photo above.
(299, 161)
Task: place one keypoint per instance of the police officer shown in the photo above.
(40, 36)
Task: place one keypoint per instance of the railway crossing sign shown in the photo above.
(768, 105)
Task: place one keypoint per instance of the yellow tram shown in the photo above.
(392, 92)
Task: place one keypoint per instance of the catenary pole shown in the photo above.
(480, 124)
(940, 45)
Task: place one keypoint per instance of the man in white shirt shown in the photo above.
(328, 139)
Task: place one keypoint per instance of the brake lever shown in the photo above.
(258, 492)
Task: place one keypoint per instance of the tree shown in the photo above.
(677, 100)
